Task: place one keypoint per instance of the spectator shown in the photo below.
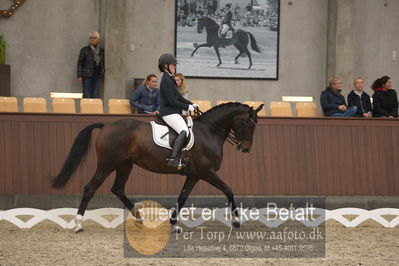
(385, 100)
(360, 99)
(181, 85)
(91, 66)
(146, 97)
(333, 103)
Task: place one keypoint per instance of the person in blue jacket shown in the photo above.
(333, 102)
(146, 97)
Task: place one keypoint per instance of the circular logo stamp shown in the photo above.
(148, 231)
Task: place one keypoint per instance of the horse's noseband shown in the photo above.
(235, 138)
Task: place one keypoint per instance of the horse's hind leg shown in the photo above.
(90, 189)
(249, 57)
(118, 189)
(185, 192)
(241, 51)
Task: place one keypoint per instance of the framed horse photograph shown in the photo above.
(232, 39)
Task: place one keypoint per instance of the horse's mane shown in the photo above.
(218, 107)
(211, 20)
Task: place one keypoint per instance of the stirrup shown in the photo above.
(176, 162)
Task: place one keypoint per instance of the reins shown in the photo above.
(232, 137)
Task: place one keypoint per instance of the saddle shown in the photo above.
(229, 33)
(164, 136)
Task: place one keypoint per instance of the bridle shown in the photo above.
(244, 123)
(234, 137)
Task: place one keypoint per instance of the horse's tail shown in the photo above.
(78, 152)
(254, 44)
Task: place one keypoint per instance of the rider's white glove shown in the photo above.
(191, 108)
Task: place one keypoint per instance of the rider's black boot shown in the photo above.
(174, 159)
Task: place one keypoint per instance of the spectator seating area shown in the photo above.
(122, 106)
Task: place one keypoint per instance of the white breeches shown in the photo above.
(176, 122)
(225, 28)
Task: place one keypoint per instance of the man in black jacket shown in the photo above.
(360, 99)
(333, 103)
(91, 66)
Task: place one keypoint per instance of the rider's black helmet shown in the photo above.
(166, 59)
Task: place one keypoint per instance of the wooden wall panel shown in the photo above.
(290, 156)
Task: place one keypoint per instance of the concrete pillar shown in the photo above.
(342, 45)
(331, 37)
(114, 21)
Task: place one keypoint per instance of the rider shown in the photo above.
(172, 104)
(226, 22)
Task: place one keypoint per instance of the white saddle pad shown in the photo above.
(160, 135)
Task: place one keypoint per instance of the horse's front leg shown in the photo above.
(213, 179)
(218, 54)
(199, 46)
(187, 188)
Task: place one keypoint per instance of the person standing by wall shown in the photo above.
(385, 100)
(146, 97)
(360, 99)
(91, 66)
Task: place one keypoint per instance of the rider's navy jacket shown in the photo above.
(228, 18)
(171, 100)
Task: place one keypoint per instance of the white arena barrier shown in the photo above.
(97, 216)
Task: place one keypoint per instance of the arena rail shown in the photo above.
(96, 215)
(289, 156)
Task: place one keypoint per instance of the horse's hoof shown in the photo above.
(218, 65)
(177, 229)
(139, 224)
(236, 62)
(79, 230)
(236, 224)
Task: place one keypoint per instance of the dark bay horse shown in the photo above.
(240, 40)
(121, 144)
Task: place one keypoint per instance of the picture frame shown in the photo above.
(211, 43)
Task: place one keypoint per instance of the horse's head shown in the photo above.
(236, 120)
(244, 128)
(207, 23)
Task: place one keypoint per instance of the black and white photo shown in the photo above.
(228, 38)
